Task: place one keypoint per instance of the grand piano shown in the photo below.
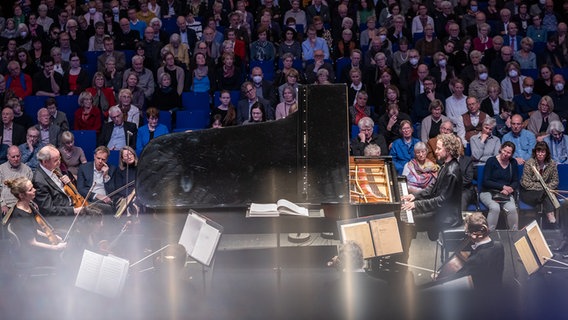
(303, 158)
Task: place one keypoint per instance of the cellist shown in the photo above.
(51, 193)
(486, 262)
(33, 230)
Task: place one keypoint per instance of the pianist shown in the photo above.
(438, 207)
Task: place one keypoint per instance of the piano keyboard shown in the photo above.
(405, 215)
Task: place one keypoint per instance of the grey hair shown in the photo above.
(490, 121)
(365, 122)
(420, 146)
(555, 125)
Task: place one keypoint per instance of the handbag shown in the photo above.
(497, 196)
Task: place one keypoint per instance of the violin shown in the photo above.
(71, 191)
(45, 226)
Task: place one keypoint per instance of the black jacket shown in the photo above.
(443, 198)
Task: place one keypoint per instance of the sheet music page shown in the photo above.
(360, 233)
(526, 255)
(386, 236)
(538, 242)
(287, 207)
(206, 244)
(190, 232)
(263, 210)
(88, 274)
(112, 276)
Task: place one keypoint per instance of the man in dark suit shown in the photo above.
(118, 133)
(318, 9)
(264, 88)
(187, 35)
(12, 133)
(49, 131)
(97, 171)
(119, 56)
(126, 38)
(50, 195)
(244, 105)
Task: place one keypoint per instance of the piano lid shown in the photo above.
(303, 158)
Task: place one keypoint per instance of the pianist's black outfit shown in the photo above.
(438, 207)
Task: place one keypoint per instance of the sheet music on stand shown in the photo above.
(104, 275)
(532, 248)
(200, 237)
(377, 235)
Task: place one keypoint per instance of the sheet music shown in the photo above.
(360, 233)
(199, 238)
(538, 242)
(386, 236)
(105, 275)
(526, 255)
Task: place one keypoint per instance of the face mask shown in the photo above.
(115, 10)
(513, 73)
(483, 76)
(23, 34)
(442, 62)
(92, 10)
(542, 2)
(413, 61)
(559, 86)
(528, 90)
(474, 8)
(382, 37)
(257, 79)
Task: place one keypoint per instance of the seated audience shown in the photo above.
(557, 142)
(102, 97)
(59, 118)
(71, 155)
(30, 148)
(532, 191)
(20, 117)
(12, 133)
(367, 137)
(484, 144)
(117, 133)
(166, 97)
(471, 122)
(97, 173)
(527, 102)
(76, 79)
(430, 127)
(523, 140)
(150, 130)
(420, 172)
(360, 109)
(540, 119)
(87, 116)
(177, 74)
(288, 105)
(402, 149)
(49, 132)
(257, 114)
(126, 173)
(318, 64)
(390, 123)
(500, 182)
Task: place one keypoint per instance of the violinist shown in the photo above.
(99, 172)
(33, 231)
(51, 195)
(486, 262)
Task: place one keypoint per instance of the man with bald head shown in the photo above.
(523, 139)
(497, 69)
(126, 38)
(10, 170)
(49, 183)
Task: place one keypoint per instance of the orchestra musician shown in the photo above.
(50, 193)
(33, 231)
(486, 262)
(438, 207)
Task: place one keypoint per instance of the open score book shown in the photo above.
(282, 206)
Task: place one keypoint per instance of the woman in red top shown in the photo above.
(77, 77)
(360, 109)
(103, 97)
(87, 117)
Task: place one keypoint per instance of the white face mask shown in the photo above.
(513, 73)
(413, 61)
(559, 86)
(23, 34)
(528, 90)
(92, 10)
(442, 62)
(115, 10)
(542, 2)
(483, 76)
(382, 37)
(257, 79)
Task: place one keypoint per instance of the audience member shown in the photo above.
(493, 103)
(59, 118)
(20, 117)
(9, 170)
(117, 133)
(484, 144)
(420, 172)
(119, 56)
(557, 142)
(49, 132)
(150, 130)
(288, 105)
(71, 156)
(97, 177)
(390, 123)
(12, 133)
(30, 148)
(471, 122)
(522, 139)
(402, 149)
(18, 82)
(430, 126)
(527, 102)
(540, 119)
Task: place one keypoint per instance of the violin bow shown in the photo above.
(77, 215)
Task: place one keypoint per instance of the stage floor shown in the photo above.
(257, 276)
